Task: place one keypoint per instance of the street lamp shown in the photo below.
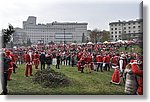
(64, 39)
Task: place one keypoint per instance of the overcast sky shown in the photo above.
(97, 13)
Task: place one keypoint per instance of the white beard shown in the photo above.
(30, 54)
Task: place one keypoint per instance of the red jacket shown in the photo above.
(138, 72)
(36, 56)
(79, 55)
(115, 60)
(107, 59)
(104, 59)
(89, 59)
(99, 58)
(28, 59)
(10, 64)
(13, 58)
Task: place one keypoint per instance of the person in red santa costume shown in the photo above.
(11, 64)
(89, 61)
(28, 59)
(99, 60)
(36, 60)
(115, 59)
(139, 73)
(81, 64)
(116, 76)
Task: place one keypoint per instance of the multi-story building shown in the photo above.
(125, 30)
(19, 36)
(51, 32)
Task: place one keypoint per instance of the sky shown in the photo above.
(97, 13)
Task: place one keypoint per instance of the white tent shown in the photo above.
(106, 42)
(89, 43)
(73, 43)
(120, 41)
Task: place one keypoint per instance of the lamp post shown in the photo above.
(64, 39)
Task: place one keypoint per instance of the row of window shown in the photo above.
(124, 35)
(124, 32)
(116, 32)
(35, 38)
(126, 28)
(50, 30)
(116, 36)
(126, 24)
(130, 27)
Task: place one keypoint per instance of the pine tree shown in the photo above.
(6, 35)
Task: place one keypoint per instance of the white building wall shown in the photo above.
(117, 29)
(50, 31)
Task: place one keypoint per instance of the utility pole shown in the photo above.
(64, 39)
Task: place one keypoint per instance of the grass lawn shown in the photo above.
(129, 49)
(95, 83)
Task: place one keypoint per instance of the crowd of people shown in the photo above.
(87, 58)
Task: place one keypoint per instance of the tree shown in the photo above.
(29, 42)
(83, 38)
(105, 36)
(51, 43)
(87, 40)
(6, 35)
(99, 36)
(23, 43)
(75, 41)
(95, 35)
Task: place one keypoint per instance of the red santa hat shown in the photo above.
(7, 51)
(133, 62)
(29, 50)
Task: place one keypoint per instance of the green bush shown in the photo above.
(50, 78)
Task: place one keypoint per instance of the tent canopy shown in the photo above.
(89, 43)
(105, 42)
(73, 43)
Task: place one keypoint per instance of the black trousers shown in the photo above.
(72, 64)
(82, 68)
(66, 62)
(69, 61)
(14, 68)
(107, 67)
(57, 66)
(42, 65)
(100, 65)
(4, 83)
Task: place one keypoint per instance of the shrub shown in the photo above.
(50, 78)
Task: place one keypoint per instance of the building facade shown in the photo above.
(19, 36)
(57, 32)
(126, 30)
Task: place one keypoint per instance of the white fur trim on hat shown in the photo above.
(135, 62)
(115, 67)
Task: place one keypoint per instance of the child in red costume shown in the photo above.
(116, 76)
